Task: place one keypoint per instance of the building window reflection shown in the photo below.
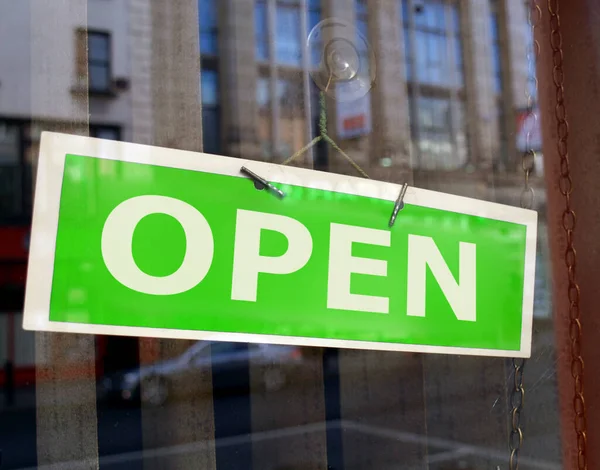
(105, 132)
(292, 122)
(287, 33)
(314, 14)
(210, 111)
(98, 59)
(435, 81)
(362, 27)
(496, 46)
(362, 18)
(11, 200)
(263, 99)
(209, 89)
(261, 30)
(437, 52)
(207, 10)
(501, 152)
(313, 18)
(283, 84)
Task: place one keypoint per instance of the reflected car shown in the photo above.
(153, 384)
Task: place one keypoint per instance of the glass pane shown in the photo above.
(314, 16)
(99, 77)
(431, 48)
(408, 59)
(263, 98)
(261, 31)
(362, 27)
(210, 87)
(208, 43)
(211, 136)
(208, 18)
(435, 131)
(458, 55)
(263, 94)
(422, 15)
(102, 401)
(432, 59)
(429, 15)
(9, 144)
(405, 12)
(497, 67)
(284, 92)
(228, 348)
(455, 18)
(98, 47)
(421, 40)
(436, 57)
(10, 191)
(208, 14)
(361, 7)
(287, 45)
(494, 27)
(436, 16)
(105, 133)
(425, 112)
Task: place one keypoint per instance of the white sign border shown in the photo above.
(54, 148)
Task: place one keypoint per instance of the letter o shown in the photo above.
(117, 238)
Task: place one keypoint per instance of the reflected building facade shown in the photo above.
(233, 77)
(443, 113)
(450, 83)
(95, 62)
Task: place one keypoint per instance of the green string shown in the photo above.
(323, 136)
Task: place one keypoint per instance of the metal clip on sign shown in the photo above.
(261, 183)
(399, 204)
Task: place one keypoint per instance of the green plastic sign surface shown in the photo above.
(136, 240)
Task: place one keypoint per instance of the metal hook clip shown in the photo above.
(399, 204)
(261, 183)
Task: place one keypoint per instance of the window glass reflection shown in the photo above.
(261, 30)
(434, 70)
(210, 111)
(433, 31)
(287, 34)
(496, 51)
(10, 170)
(314, 16)
(99, 61)
(207, 10)
(263, 98)
(224, 406)
(98, 47)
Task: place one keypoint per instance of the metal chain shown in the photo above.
(568, 224)
(517, 399)
(534, 16)
(517, 396)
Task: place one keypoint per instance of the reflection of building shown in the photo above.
(443, 112)
(94, 57)
(451, 78)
